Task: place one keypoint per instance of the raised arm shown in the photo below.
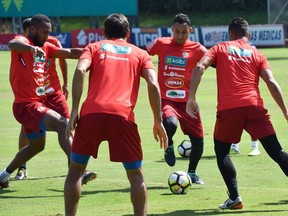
(21, 46)
(72, 53)
(155, 103)
(275, 90)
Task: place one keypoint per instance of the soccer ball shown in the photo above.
(184, 149)
(179, 182)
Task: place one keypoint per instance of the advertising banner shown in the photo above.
(261, 35)
(141, 37)
(64, 38)
(80, 38)
(4, 40)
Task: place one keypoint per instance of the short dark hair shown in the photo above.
(26, 23)
(39, 19)
(181, 19)
(116, 26)
(239, 27)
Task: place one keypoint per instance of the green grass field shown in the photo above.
(262, 184)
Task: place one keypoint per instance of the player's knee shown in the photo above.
(135, 175)
(170, 124)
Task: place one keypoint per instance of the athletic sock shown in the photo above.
(4, 176)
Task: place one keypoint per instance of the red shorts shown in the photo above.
(231, 122)
(122, 136)
(58, 103)
(188, 124)
(29, 115)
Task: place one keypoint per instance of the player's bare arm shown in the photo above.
(192, 107)
(155, 103)
(21, 46)
(77, 89)
(72, 53)
(275, 90)
(64, 71)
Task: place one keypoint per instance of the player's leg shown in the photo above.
(275, 151)
(254, 148)
(73, 185)
(55, 122)
(58, 103)
(195, 156)
(22, 142)
(31, 116)
(34, 147)
(228, 173)
(235, 148)
(170, 124)
(228, 129)
(138, 187)
(125, 146)
(193, 128)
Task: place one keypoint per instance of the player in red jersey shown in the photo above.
(177, 57)
(59, 98)
(28, 78)
(107, 113)
(56, 98)
(240, 106)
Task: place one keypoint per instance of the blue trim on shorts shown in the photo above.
(81, 159)
(36, 135)
(132, 165)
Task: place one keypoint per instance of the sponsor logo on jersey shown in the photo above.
(173, 74)
(239, 52)
(48, 63)
(176, 93)
(40, 59)
(175, 61)
(40, 91)
(174, 82)
(185, 54)
(116, 49)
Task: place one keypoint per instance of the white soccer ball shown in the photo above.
(179, 182)
(184, 149)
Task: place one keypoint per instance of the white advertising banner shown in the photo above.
(261, 35)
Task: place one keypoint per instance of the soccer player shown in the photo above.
(177, 57)
(56, 98)
(29, 78)
(240, 106)
(107, 113)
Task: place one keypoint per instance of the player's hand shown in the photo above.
(71, 124)
(159, 133)
(192, 108)
(65, 90)
(286, 115)
(38, 52)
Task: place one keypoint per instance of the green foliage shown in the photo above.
(262, 184)
(199, 6)
(161, 13)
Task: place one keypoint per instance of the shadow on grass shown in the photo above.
(38, 178)
(208, 157)
(211, 212)
(277, 58)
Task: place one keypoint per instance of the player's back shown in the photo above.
(114, 76)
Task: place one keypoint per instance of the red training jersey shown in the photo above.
(238, 67)
(114, 77)
(27, 73)
(176, 63)
(54, 86)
